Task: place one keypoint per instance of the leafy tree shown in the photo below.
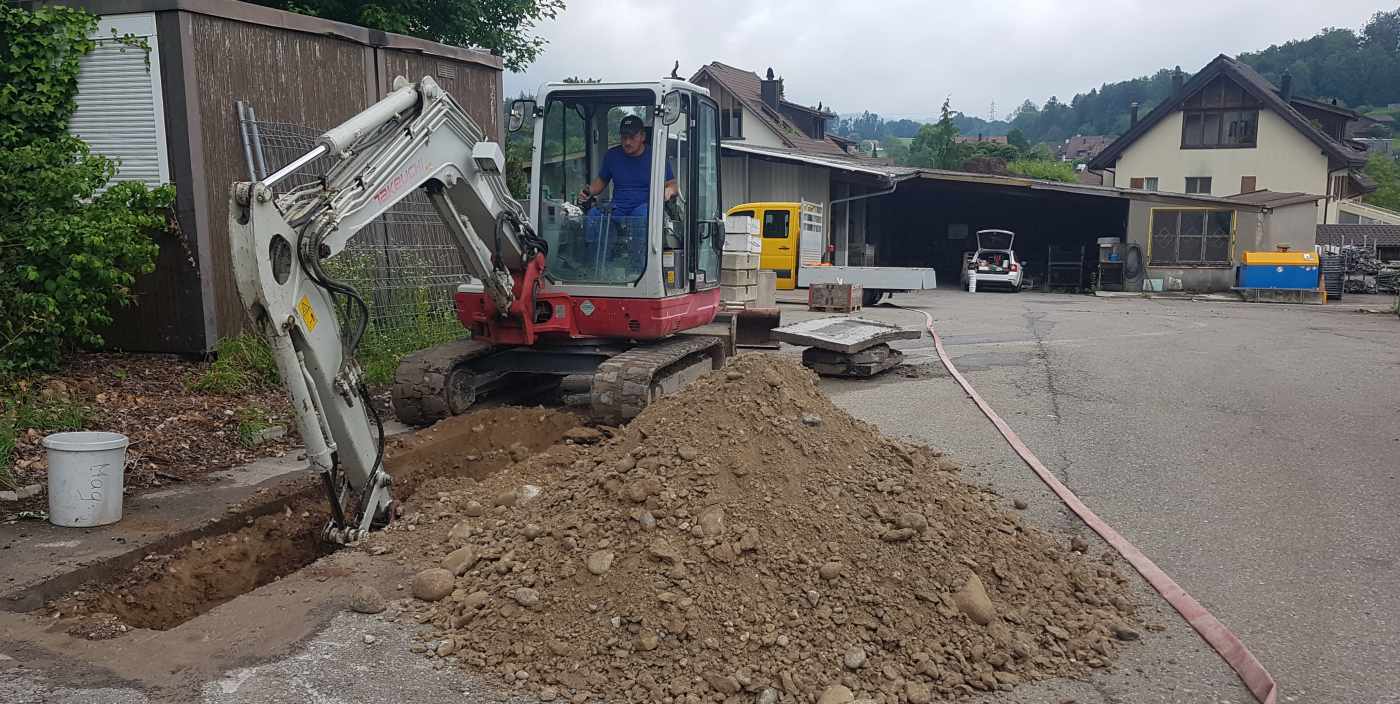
(1017, 139)
(1386, 172)
(936, 145)
(994, 150)
(896, 148)
(502, 26)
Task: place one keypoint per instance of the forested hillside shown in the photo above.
(1361, 69)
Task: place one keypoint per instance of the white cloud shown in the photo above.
(901, 57)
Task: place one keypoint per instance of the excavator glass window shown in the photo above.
(602, 237)
(708, 211)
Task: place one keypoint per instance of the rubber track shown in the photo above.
(622, 384)
(1219, 636)
(420, 382)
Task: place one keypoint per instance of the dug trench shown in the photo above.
(269, 537)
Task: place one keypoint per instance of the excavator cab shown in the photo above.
(622, 244)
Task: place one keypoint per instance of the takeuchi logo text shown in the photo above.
(409, 175)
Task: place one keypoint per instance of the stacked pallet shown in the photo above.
(738, 276)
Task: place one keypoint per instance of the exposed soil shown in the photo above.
(745, 539)
(166, 590)
(176, 434)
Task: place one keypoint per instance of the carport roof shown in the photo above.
(900, 174)
(1277, 199)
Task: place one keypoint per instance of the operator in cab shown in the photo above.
(628, 167)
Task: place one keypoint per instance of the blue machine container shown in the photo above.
(1296, 270)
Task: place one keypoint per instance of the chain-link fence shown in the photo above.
(405, 264)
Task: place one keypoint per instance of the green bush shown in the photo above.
(1043, 170)
(241, 365)
(69, 251)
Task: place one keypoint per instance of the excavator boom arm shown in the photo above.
(416, 137)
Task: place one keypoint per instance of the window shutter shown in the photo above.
(120, 112)
(1134, 183)
(1247, 184)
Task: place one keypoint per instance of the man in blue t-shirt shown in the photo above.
(628, 167)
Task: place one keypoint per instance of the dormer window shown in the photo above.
(1220, 116)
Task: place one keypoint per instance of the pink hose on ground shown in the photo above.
(1218, 635)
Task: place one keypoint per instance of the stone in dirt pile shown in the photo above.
(720, 548)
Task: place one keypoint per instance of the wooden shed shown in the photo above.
(170, 116)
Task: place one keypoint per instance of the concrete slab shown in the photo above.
(843, 334)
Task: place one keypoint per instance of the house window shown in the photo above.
(731, 123)
(1220, 116)
(1248, 184)
(1198, 184)
(1191, 237)
(1149, 183)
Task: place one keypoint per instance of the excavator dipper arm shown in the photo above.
(416, 137)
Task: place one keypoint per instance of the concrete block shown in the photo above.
(748, 243)
(738, 260)
(767, 295)
(8, 496)
(30, 491)
(738, 277)
(737, 294)
(740, 225)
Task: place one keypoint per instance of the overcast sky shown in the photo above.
(901, 57)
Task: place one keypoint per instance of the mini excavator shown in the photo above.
(562, 287)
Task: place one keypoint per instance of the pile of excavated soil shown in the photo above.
(745, 540)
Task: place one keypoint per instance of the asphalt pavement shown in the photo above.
(1251, 450)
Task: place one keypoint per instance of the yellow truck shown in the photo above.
(794, 246)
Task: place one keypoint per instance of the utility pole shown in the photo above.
(992, 114)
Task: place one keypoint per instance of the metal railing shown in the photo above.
(405, 264)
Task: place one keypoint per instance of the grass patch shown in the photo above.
(380, 352)
(252, 421)
(7, 454)
(21, 410)
(241, 365)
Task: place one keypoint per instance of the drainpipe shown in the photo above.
(892, 185)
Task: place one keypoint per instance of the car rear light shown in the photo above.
(1015, 267)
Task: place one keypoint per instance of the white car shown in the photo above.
(994, 262)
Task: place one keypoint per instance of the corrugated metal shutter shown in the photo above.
(119, 110)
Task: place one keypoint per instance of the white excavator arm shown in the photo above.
(416, 137)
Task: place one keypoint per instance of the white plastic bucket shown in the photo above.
(85, 478)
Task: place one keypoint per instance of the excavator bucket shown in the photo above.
(753, 327)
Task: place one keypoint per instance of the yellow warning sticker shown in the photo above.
(308, 314)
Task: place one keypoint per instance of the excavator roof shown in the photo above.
(663, 85)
